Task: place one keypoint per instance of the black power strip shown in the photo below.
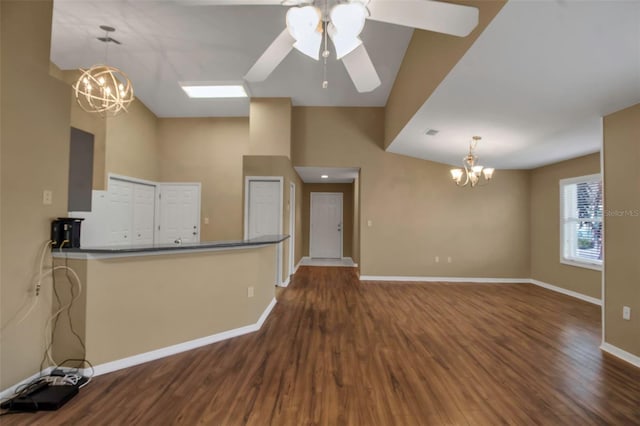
(42, 397)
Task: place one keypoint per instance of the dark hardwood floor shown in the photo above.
(338, 352)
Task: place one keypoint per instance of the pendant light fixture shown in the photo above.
(472, 171)
(103, 89)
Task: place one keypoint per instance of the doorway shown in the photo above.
(325, 230)
(263, 212)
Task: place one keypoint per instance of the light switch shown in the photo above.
(206, 220)
(369, 223)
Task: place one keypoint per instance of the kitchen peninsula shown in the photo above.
(140, 303)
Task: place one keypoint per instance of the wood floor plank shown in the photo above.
(335, 351)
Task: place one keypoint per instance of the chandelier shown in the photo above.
(103, 89)
(472, 172)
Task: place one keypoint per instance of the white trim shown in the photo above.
(596, 266)
(444, 279)
(120, 364)
(292, 228)
(557, 289)
(571, 293)
(10, 391)
(286, 282)
(622, 354)
(298, 264)
(604, 227)
(279, 250)
(129, 179)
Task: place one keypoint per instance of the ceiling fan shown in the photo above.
(310, 23)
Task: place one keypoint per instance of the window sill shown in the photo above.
(582, 264)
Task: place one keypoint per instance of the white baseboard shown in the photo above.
(401, 279)
(622, 354)
(119, 364)
(286, 282)
(9, 392)
(567, 292)
(444, 279)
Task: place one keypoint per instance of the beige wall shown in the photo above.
(346, 189)
(270, 126)
(430, 56)
(545, 227)
(157, 313)
(622, 227)
(131, 143)
(208, 150)
(416, 213)
(256, 165)
(34, 155)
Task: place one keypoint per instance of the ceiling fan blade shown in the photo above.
(271, 57)
(227, 2)
(447, 18)
(361, 70)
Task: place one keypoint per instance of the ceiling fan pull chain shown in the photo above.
(325, 55)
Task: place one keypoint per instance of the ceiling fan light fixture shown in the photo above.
(310, 46)
(304, 25)
(348, 19)
(343, 44)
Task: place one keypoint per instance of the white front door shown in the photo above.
(325, 239)
(263, 212)
(179, 213)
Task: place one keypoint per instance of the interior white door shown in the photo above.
(179, 213)
(263, 213)
(144, 198)
(120, 211)
(264, 208)
(325, 239)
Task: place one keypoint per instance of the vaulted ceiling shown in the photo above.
(534, 84)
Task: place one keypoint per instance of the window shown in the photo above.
(581, 221)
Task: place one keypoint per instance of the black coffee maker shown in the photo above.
(65, 232)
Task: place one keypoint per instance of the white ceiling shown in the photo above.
(534, 85)
(336, 174)
(164, 42)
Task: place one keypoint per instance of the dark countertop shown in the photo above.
(154, 248)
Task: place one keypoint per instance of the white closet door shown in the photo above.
(143, 213)
(120, 212)
(264, 208)
(179, 213)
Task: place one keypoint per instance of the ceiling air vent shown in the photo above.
(431, 132)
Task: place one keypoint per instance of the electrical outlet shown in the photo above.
(369, 223)
(626, 313)
(206, 220)
(449, 259)
(437, 259)
(249, 291)
(47, 197)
